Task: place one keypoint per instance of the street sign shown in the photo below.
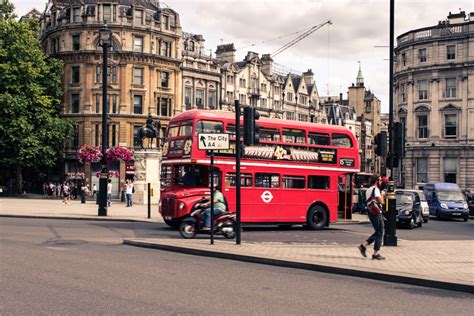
(213, 141)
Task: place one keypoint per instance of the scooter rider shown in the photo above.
(219, 208)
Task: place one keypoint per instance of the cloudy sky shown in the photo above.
(332, 52)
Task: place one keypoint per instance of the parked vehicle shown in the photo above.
(470, 203)
(446, 200)
(409, 210)
(224, 224)
(420, 197)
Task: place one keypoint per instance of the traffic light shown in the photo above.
(381, 144)
(399, 139)
(250, 126)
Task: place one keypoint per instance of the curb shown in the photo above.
(444, 285)
(105, 218)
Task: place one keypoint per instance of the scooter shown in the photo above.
(224, 224)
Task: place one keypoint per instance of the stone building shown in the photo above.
(144, 68)
(201, 75)
(254, 82)
(367, 105)
(434, 99)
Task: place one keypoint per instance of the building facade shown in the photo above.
(253, 82)
(434, 99)
(144, 73)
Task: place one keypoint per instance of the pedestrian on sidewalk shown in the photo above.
(129, 189)
(375, 199)
(94, 190)
(109, 192)
(66, 193)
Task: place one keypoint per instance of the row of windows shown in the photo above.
(108, 13)
(274, 180)
(449, 127)
(200, 98)
(287, 135)
(138, 76)
(163, 104)
(422, 54)
(450, 90)
(449, 165)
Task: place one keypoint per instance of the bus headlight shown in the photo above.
(443, 205)
(181, 206)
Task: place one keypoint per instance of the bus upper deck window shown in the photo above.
(341, 140)
(269, 134)
(319, 139)
(186, 129)
(294, 136)
(172, 131)
(209, 127)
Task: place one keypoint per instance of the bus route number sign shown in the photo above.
(213, 141)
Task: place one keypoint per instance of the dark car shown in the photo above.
(420, 197)
(470, 203)
(409, 210)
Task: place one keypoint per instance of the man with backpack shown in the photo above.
(375, 200)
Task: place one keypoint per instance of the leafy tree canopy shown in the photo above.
(32, 133)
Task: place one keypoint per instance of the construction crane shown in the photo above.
(299, 38)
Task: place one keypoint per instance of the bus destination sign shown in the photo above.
(213, 141)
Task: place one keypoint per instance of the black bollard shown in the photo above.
(83, 196)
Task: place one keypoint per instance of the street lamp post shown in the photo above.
(311, 109)
(105, 43)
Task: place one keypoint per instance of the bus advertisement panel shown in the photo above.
(299, 173)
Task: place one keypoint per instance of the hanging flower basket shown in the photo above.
(88, 154)
(118, 153)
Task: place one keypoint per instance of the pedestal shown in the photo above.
(147, 170)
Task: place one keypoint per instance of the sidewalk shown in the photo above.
(439, 264)
(37, 206)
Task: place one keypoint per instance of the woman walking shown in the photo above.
(375, 200)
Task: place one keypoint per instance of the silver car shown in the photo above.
(425, 209)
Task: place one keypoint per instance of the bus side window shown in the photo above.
(269, 134)
(294, 136)
(341, 140)
(165, 175)
(245, 180)
(209, 127)
(267, 180)
(319, 139)
(293, 182)
(318, 182)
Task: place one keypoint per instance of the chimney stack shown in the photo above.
(267, 64)
(226, 52)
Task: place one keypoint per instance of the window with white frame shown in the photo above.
(263, 87)
(422, 55)
(107, 14)
(200, 98)
(230, 79)
(138, 44)
(403, 93)
(421, 170)
(404, 59)
(450, 87)
(450, 169)
(212, 99)
(289, 96)
(422, 126)
(76, 15)
(138, 18)
(187, 96)
(243, 99)
(423, 90)
(165, 78)
(451, 52)
(290, 115)
(138, 76)
(242, 82)
(450, 125)
(138, 104)
(230, 96)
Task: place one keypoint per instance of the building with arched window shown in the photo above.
(434, 99)
(143, 68)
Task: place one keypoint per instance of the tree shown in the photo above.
(32, 133)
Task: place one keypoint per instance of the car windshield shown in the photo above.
(404, 199)
(422, 196)
(450, 196)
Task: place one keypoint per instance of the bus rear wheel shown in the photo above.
(171, 223)
(317, 218)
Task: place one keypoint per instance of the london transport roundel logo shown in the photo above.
(267, 196)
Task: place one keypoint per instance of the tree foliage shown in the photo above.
(32, 133)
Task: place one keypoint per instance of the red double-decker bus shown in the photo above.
(299, 173)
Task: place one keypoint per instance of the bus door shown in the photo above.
(245, 194)
(345, 187)
(293, 199)
(266, 197)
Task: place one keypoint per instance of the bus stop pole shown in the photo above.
(237, 170)
(212, 197)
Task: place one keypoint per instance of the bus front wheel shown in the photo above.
(317, 218)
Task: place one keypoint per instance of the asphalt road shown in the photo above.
(61, 266)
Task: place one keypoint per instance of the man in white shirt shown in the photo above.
(373, 195)
(109, 192)
(129, 193)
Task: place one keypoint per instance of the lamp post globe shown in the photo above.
(105, 34)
